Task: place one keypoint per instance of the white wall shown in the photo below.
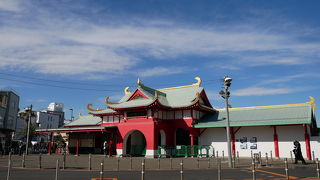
(286, 136)
(216, 137)
(315, 146)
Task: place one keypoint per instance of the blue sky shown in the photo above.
(79, 52)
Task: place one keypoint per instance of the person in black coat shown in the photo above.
(297, 152)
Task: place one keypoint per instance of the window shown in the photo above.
(3, 101)
(136, 113)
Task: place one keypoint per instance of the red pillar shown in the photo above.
(276, 142)
(307, 140)
(50, 143)
(191, 139)
(233, 141)
(77, 147)
(110, 147)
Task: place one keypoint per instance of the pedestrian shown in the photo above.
(20, 148)
(297, 153)
(105, 147)
(1, 149)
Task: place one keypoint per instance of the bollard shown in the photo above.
(313, 158)
(286, 168)
(209, 163)
(118, 164)
(101, 170)
(238, 159)
(291, 156)
(170, 162)
(142, 169)
(159, 162)
(198, 164)
(251, 154)
(233, 161)
(57, 169)
(260, 158)
(23, 161)
(40, 158)
(181, 170)
(222, 155)
(271, 158)
(64, 161)
(219, 168)
(217, 154)
(89, 168)
(253, 169)
(9, 166)
(318, 168)
(267, 163)
(130, 163)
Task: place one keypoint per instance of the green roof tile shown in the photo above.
(85, 120)
(272, 115)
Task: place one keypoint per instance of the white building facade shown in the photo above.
(265, 129)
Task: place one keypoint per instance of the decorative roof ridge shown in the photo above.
(311, 102)
(106, 100)
(198, 83)
(93, 110)
(155, 90)
(85, 115)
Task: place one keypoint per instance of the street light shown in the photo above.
(27, 116)
(226, 94)
(71, 114)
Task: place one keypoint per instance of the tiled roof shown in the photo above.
(85, 120)
(257, 116)
(176, 97)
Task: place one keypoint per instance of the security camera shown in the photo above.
(227, 79)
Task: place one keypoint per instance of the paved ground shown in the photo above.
(76, 167)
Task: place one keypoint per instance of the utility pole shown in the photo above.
(226, 94)
(28, 128)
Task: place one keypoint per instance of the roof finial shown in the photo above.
(90, 109)
(199, 81)
(108, 102)
(312, 102)
(126, 90)
(139, 82)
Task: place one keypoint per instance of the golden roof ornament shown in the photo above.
(139, 82)
(312, 102)
(93, 110)
(108, 102)
(199, 81)
(126, 90)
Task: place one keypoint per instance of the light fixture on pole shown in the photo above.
(226, 94)
(71, 114)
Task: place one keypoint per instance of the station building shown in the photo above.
(146, 118)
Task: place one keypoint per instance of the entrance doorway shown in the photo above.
(135, 144)
(182, 137)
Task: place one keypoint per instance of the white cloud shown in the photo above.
(160, 71)
(53, 45)
(10, 5)
(260, 91)
(283, 79)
